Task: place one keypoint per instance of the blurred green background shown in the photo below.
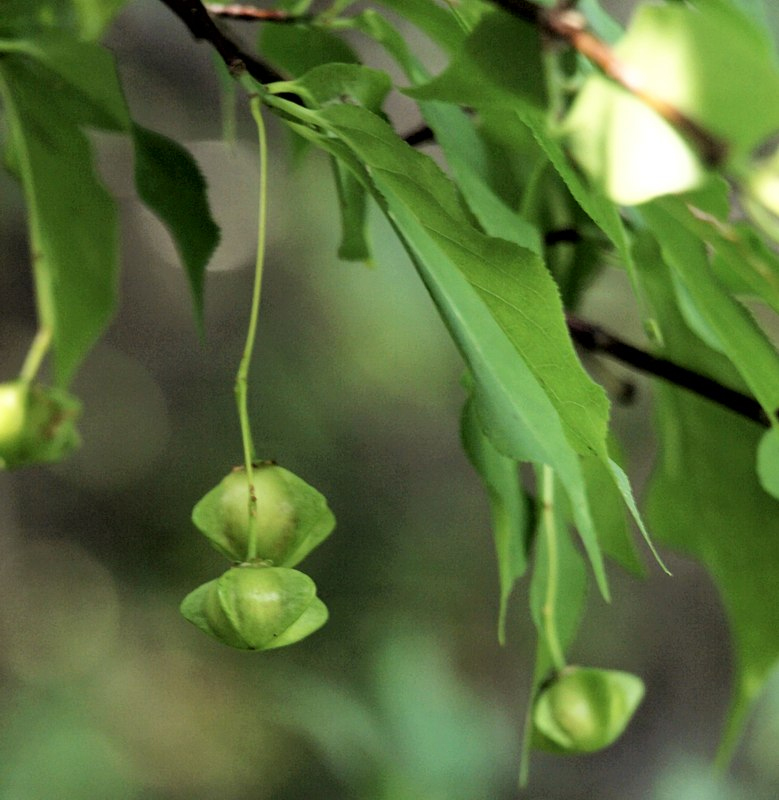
(106, 692)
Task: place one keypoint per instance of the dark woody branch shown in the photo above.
(563, 23)
(596, 340)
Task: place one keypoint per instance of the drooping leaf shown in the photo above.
(516, 410)
(83, 73)
(353, 204)
(170, 184)
(608, 513)
(705, 500)
(508, 503)
(505, 275)
(72, 219)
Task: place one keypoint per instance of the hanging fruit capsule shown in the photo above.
(256, 607)
(292, 517)
(37, 424)
(583, 709)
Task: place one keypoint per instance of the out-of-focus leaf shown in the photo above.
(508, 503)
(73, 229)
(677, 52)
(170, 184)
(436, 21)
(741, 339)
(334, 83)
(498, 63)
(705, 500)
(445, 740)
(296, 49)
(768, 462)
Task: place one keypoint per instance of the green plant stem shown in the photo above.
(242, 378)
(550, 535)
(35, 355)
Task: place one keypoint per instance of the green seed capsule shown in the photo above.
(37, 424)
(255, 607)
(292, 518)
(584, 709)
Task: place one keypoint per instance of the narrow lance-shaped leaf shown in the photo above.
(508, 503)
(514, 409)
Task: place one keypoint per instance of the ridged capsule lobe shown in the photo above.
(292, 517)
(37, 424)
(583, 709)
(256, 607)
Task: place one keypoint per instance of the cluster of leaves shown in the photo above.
(536, 139)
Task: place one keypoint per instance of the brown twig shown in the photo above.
(253, 14)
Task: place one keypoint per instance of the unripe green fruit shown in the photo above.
(292, 518)
(584, 709)
(37, 424)
(255, 607)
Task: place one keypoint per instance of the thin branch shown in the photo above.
(594, 339)
(254, 14)
(193, 14)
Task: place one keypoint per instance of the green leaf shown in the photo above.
(353, 204)
(505, 275)
(436, 21)
(296, 49)
(516, 411)
(170, 184)
(739, 336)
(72, 219)
(608, 514)
(705, 500)
(498, 63)
(768, 462)
(83, 73)
(332, 83)
(508, 503)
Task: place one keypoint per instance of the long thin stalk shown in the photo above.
(242, 378)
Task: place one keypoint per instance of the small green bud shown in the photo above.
(583, 709)
(292, 518)
(256, 607)
(37, 424)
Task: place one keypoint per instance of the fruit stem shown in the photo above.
(549, 528)
(242, 378)
(37, 352)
